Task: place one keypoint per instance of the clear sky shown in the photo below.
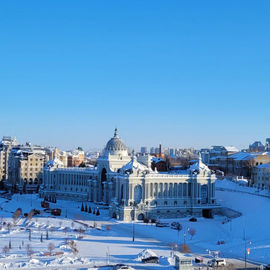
(180, 73)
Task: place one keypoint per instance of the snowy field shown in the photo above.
(111, 242)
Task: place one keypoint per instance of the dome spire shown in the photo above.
(116, 133)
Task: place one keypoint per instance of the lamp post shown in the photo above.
(185, 237)
(133, 226)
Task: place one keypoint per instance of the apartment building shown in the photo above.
(5, 147)
(26, 164)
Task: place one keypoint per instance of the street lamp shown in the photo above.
(133, 226)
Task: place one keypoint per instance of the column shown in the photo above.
(110, 191)
(95, 190)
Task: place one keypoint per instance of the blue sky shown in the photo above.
(180, 73)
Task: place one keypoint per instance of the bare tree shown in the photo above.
(29, 250)
(173, 246)
(65, 230)
(5, 250)
(51, 247)
(73, 247)
(52, 229)
(185, 248)
(30, 215)
(192, 232)
(16, 215)
(9, 225)
(81, 231)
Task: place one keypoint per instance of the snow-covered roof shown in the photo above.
(231, 148)
(199, 167)
(133, 166)
(247, 155)
(157, 160)
(54, 163)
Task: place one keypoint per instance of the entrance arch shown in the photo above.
(141, 216)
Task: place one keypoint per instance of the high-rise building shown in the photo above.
(171, 152)
(144, 150)
(152, 150)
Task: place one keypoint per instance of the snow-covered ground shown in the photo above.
(112, 242)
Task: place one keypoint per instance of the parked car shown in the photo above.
(36, 212)
(176, 226)
(199, 259)
(193, 219)
(122, 267)
(216, 262)
(45, 204)
(162, 224)
(152, 259)
(56, 212)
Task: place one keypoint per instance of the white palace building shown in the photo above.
(131, 188)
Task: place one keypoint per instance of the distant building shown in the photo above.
(260, 177)
(144, 150)
(5, 147)
(256, 147)
(267, 144)
(218, 157)
(242, 163)
(159, 165)
(145, 159)
(75, 157)
(205, 154)
(55, 153)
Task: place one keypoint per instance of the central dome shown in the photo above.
(115, 143)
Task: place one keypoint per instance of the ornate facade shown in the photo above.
(132, 189)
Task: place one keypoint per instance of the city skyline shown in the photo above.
(181, 74)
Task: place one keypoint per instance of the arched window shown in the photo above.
(175, 190)
(171, 190)
(160, 190)
(156, 190)
(151, 190)
(166, 190)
